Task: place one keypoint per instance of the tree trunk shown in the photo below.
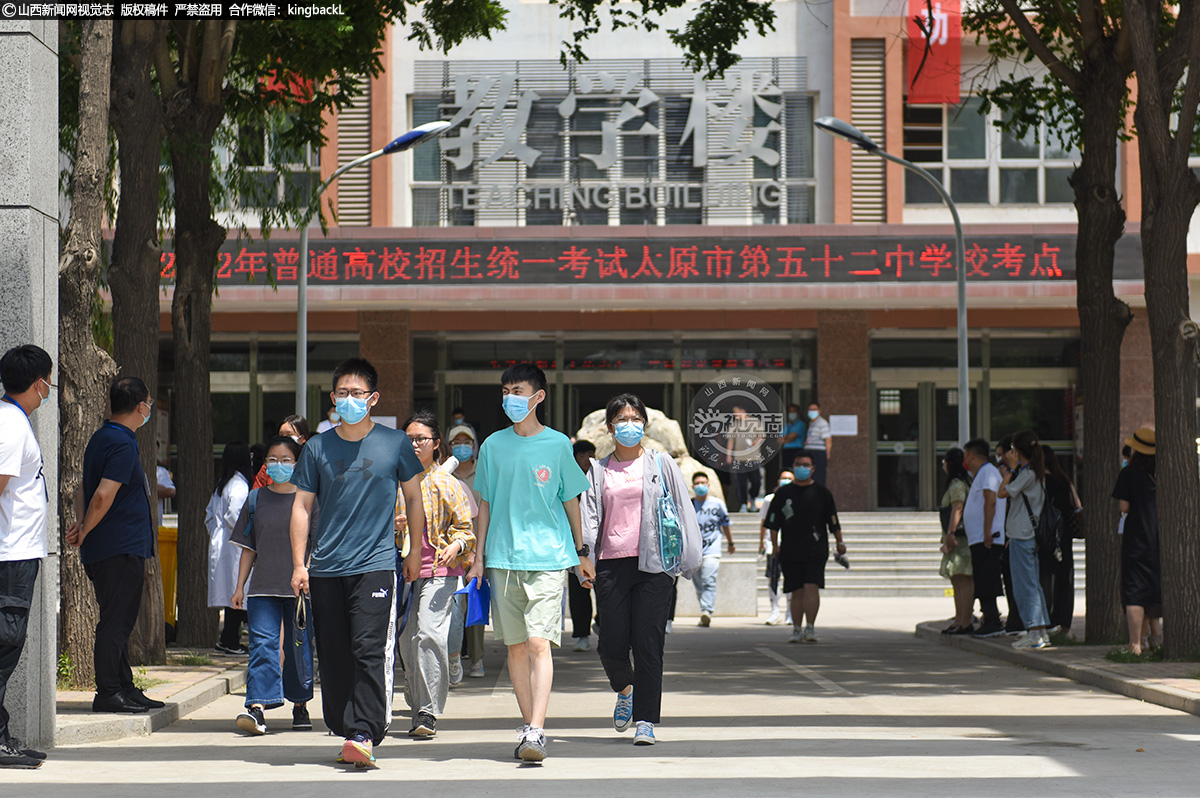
(1102, 322)
(198, 238)
(1173, 339)
(134, 270)
(85, 370)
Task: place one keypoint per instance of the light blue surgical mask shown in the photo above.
(812, 414)
(783, 482)
(628, 433)
(145, 418)
(1124, 462)
(280, 473)
(517, 407)
(793, 417)
(352, 410)
(803, 473)
(701, 491)
(462, 451)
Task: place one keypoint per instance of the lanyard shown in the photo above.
(41, 476)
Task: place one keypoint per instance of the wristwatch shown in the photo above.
(585, 551)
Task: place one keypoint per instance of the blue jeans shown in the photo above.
(267, 683)
(1027, 587)
(705, 580)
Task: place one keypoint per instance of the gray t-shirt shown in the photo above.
(356, 484)
(1023, 486)
(270, 538)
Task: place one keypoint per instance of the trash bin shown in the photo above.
(168, 538)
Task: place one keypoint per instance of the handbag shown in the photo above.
(479, 601)
(670, 527)
(1047, 527)
(302, 659)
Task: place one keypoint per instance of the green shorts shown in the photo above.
(527, 604)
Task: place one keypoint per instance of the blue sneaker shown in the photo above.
(644, 734)
(623, 714)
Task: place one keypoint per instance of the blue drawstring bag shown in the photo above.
(479, 601)
(302, 642)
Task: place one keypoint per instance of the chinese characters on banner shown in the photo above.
(934, 52)
(759, 259)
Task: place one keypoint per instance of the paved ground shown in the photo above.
(871, 709)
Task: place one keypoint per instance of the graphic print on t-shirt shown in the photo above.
(340, 470)
(542, 474)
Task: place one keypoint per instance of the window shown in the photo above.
(980, 162)
(274, 172)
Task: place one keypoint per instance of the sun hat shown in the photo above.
(461, 429)
(1142, 440)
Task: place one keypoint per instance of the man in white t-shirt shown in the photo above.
(983, 518)
(818, 442)
(775, 596)
(25, 374)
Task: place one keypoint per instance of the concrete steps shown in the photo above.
(891, 554)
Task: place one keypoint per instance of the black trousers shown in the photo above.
(17, 578)
(820, 464)
(634, 606)
(1058, 584)
(231, 632)
(580, 600)
(748, 483)
(355, 619)
(118, 584)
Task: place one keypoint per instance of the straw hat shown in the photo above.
(1142, 440)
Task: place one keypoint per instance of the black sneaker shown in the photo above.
(24, 749)
(300, 719)
(960, 630)
(252, 721)
(238, 651)
(11, 757)
(142, 700)
(989, 629)
(424, 727)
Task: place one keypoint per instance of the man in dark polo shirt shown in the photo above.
(115, 539)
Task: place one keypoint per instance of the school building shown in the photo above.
(629, 225)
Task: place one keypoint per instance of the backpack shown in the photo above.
(250, 504)
(1047, 527)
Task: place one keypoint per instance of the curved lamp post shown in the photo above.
(844, 130)
(412, 138)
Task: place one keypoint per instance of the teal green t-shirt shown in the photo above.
(525, 482)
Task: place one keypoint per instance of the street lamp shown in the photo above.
(844, 130)
(412, 138)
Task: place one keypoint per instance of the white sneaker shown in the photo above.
(456, 671)
(582, 644)
(773, 618)
(669, 629)
(705, 619)
(810, 634)
(476, 671)
(1031, 641)
(644, 734)
(796, 636)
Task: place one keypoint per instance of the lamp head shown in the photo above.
(844, 130)
(417, 135)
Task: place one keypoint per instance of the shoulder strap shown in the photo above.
(251, 502)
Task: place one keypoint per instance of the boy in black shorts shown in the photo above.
(800, 518)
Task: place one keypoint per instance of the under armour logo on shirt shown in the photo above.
(341, 470)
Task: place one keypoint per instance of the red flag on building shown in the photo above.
(934, 51)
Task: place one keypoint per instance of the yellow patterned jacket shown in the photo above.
(447, 516)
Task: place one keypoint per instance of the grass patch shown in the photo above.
(144, 681)
(65, 673)
(1122, 654)
(195, 660)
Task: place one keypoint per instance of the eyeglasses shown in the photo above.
(623, 419)
(277, 461)
(418, 441)
(146, 402)
(357, 394)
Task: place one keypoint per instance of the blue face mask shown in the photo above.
(1124, 462)
(793, 417)
(701, 491)
(783, 482)
(517, 407)
(803, 473)
(812, 414)
(628, 433)
(352, 410)
(463, 451)
(280, 472)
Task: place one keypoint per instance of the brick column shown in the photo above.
(384, 339)
(1137, 375)
(843, 382)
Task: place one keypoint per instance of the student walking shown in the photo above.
(528, 530)
(800, 518)
(776, 598)
(636, 561)
(442, 553)
(354, 470)
(263, 534)
(714, 521)
(465, 640)
(25, 373)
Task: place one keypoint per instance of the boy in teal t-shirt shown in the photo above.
(529, 534)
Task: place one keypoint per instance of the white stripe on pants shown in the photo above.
(423, 643)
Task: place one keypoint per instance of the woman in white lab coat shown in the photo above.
(221, 514)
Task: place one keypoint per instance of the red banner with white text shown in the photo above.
(934, 51)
